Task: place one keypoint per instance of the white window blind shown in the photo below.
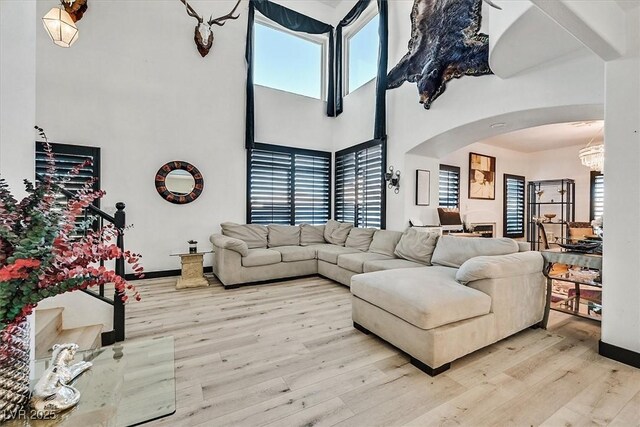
(288, 186)
(514, 201)
(360, 184)
(449, 186)
(597, 195)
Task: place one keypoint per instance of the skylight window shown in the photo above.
(363, 55)
(287, 62)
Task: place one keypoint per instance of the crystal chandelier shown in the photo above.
(592, 156)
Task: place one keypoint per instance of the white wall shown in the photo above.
(135, 86)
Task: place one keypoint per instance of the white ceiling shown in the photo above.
(331, 3)
(549, 137)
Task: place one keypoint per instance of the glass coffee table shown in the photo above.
(130, 383)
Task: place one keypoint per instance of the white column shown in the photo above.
(621, 275)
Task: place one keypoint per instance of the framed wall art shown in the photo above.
(423, 187)
(482, 177)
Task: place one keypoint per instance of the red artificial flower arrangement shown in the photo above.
(45, 252)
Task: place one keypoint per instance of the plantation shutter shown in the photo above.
(597, 195)
(360, 185)
(312, 189)
(449, 186)
(288, 186)
(514, 201)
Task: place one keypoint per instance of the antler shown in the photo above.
(222, 19)
(192, 12)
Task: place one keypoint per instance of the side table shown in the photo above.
(192, 270)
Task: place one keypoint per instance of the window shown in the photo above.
(449, 186)
(597, 195)
(513, 206)
(362, 50)
(288, 186)
(359, 186)
(288, 62)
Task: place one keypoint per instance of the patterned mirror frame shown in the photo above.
(161, 177)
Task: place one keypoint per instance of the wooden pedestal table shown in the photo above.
(192, 270)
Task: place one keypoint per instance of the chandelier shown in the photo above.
(592, 156)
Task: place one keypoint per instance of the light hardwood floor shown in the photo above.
(286, 354)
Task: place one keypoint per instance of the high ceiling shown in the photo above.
(332, 3)
(549, 137)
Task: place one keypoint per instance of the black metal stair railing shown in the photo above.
(119, 221)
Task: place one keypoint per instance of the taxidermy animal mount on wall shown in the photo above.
(75, 8)
(204, 34)
(445, 44)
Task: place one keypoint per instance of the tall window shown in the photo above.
(597, 195)
(449, 186)
(288, 62)
(362, 51)
(513, 206)
(359, 185)
(288, 185)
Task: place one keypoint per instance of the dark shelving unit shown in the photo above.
(550, 196)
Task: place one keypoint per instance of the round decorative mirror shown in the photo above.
(179, 182)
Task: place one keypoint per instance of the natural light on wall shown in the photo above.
(363, 55)
(287, 62)
(60, 27)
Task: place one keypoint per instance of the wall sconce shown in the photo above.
(393, 180)
(60, 22)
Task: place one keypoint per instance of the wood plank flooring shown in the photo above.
(286, 354)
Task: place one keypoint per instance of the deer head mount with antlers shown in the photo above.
(203, 32)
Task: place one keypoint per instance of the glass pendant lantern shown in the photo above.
(60, 27)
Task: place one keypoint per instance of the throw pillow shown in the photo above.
(254, 235)
(336, 232)
(417, 246)
(384, 242)
(311, 234)
(360, 238)
(283, 235)
(454, 251)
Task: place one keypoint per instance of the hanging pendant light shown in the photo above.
(60, 27)
(592, 156)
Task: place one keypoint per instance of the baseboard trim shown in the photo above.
(108, 338)
(161, 274)
(619, 354)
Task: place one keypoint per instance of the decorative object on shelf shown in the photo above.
(539, 194)
(592, 156)
(423, 187)
(53, 393)
(482, 172)
(393, 180)
(43, 253)
(562, 191)
(598, 226)
(61, 25)
(179, 182)
(549, 216)
(203, 32)
(564, 209)
(463, 50)
(581, 246)
(193, 246)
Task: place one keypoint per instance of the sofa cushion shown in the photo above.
(417, 246)
(355, 262)
(296, 253)
(384, 242)
(254, 235)
(454, 251)
(283, 235)
(311, 234)
(360, 238)
(336, 232)
(258, 257)
(389, 264)
(426, 297)
(330, 253)
(496, 267)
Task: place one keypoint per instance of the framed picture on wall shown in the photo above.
(482, 177)
(423, 187)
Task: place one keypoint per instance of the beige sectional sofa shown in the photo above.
(478, 291)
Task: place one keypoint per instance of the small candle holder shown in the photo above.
(193, 246)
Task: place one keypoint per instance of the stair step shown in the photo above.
(48, 324)
(87, 338)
